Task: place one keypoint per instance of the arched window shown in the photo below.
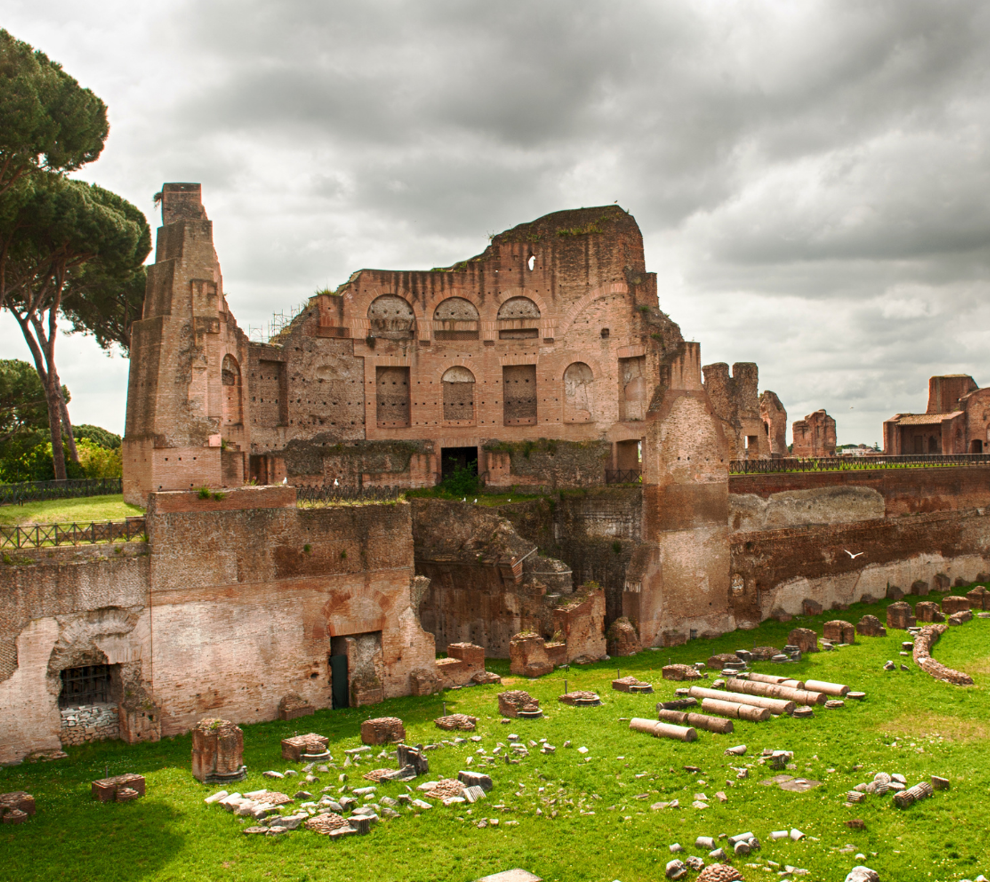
(579, 394)
(456, 319)
(518, 319)
(230, 379)
(391, 317)
(458, 395)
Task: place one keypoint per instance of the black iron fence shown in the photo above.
(853, 463)
(623, 476)
(330, 495)
(47, 535)
(40, 491)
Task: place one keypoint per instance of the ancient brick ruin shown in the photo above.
(957, 420)
(546, 364)
(814, 435)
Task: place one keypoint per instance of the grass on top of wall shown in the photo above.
(604, 828)
(61, 511)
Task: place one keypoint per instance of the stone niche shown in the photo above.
(218, 752)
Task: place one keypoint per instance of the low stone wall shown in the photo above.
(923, 643)
(89, 722)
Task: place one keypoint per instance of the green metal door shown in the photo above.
(338, 682)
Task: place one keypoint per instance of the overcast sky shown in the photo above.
(811, 178)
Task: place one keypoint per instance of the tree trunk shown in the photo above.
(55, 425)
(53, 393)
(66, 422)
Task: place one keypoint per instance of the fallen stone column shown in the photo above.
(735, 710)
(774, 705)
(774, 680)
(663, 730)
(836, 689)
(699, 721)
(913, 794)
(798, 696)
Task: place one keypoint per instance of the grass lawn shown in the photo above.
(60, 511)
(604, 828)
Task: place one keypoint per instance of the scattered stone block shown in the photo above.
(941, 583)
(111, 789)
(928, 611)
(919, 587)
(960, 618)
(979, 598)
(528, 656)
(870, 626)
(863, 874)
(764, 653)
(218, 752)
(516, 703)
(680, 672)
(804, 639)
(894, 593)
(463, 722)
(811, 607)
(719, 873)
(293, 706)
(16, 807)
(839, 631)
(382, 730)
(953, 604)
(939, 783)
(900, 616)
(580, 699)
(631, 684)
(676, 869)
(412, 761)
(310, 745)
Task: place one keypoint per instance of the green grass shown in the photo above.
(909, 723)
(60, 511)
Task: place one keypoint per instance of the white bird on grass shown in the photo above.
(853, 556)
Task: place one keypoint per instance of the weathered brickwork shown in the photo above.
(552, 332)
(814, 435)
(232, 603)
(735, 401)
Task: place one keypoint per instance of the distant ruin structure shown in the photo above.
(956, 421)
(814, 435)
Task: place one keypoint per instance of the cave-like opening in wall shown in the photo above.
(455, 459)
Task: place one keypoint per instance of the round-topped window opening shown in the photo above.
(518, 308)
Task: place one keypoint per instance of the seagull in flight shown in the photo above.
(853, 556)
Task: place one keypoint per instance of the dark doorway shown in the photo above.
(455, 458)
(976, 446)
(339, 688)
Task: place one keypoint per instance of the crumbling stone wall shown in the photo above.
(487, 583)
(232, 603)
(814, 435)
(734, 400)
(775, 422)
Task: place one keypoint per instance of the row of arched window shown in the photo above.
(392, 316)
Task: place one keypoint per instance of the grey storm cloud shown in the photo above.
(810, 177)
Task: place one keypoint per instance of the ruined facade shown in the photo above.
(735, 400)
(553, 332)
(814, 435)
(232, 604)
(545, 361)
(956, 421)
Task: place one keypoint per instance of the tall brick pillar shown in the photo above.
(678, 579)
(187, 393)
